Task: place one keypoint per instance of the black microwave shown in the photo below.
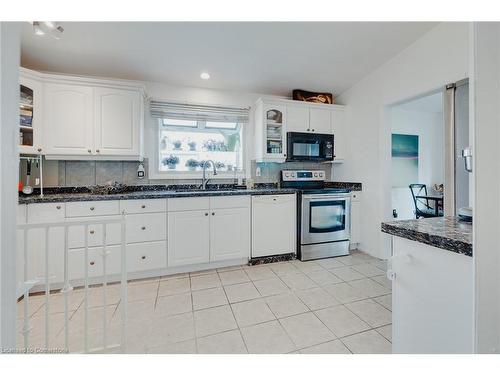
(309, 147)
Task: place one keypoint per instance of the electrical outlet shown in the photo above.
(140, 172)
(257, 172)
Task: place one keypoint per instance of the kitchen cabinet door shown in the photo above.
(229, 234)
(36, 240)
(297, 118)
(319, 120)
(188, 237)
(339, 135)
(118, 121)
(31, 135)
(68, 115)
(273, 225)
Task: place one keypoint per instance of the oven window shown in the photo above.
(305, 149)
(327, 216)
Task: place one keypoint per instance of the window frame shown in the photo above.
(156, 174)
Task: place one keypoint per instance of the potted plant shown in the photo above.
(170, 161)
(192, 145)
(210, 145)
(177, 144)
(163, 143)
(192, 164)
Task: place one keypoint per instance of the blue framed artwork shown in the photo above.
(404, 160)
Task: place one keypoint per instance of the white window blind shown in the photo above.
(192, 112)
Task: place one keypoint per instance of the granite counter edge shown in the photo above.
(445, 243)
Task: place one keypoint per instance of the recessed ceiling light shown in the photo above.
(205, 75)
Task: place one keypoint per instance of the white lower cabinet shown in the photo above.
(274, 225)
(229, 234)
(192, 231)
(188, 237)
(219, 233)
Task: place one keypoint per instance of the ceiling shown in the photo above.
(269, 58)
(432, 103)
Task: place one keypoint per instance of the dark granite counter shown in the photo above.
(446, 233)
(353, 186)
(119, 192)
(79, 194)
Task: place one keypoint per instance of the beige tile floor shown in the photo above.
(338, 305)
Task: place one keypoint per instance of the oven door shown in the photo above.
(325, 218)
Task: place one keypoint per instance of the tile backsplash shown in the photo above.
(87, 173)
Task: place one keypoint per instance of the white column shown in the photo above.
(9, 165)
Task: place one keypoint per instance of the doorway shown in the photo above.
(417, 154)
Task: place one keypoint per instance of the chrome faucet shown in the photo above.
(204, 167)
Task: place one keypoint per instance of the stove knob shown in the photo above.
(321, 174)
(315, 174)
(287, 174)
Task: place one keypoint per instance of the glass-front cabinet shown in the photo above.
(270, 120)
(30, 116)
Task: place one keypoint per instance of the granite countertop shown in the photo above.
(446, 233)
(353, 186)
(119, 192)
(145, 194)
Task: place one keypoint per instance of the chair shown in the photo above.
(423, 208)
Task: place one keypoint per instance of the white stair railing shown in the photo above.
(68, 288)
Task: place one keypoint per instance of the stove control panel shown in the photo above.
(302, 175)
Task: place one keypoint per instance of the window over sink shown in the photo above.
(190, 135)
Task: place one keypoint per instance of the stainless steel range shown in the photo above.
(323, 217)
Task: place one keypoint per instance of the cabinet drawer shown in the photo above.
(146, 227)
(242, 201)
(76, 234)
(188, 204)
(92, 208)
(45, 213)
(76, 262)
(142, 206)
(146, 256)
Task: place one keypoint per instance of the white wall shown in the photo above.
(429, 128)
(486, 172)
(9, 117)
(439, 57)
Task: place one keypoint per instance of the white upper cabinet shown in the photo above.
(270, 131)
(339, 130)
(31, 115)
(298, 118)
(68, 121)
(80, 118)
(320, 120)
(117, 122)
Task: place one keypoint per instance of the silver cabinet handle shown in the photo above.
(92, 231)
(206, 213)
(92, 263)
(213, 213)
(143, 228)
(58, 207)
(143, 257)
(143, 206)
(92, 208)
(97, 150)
(89, 151)
(39, 150)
